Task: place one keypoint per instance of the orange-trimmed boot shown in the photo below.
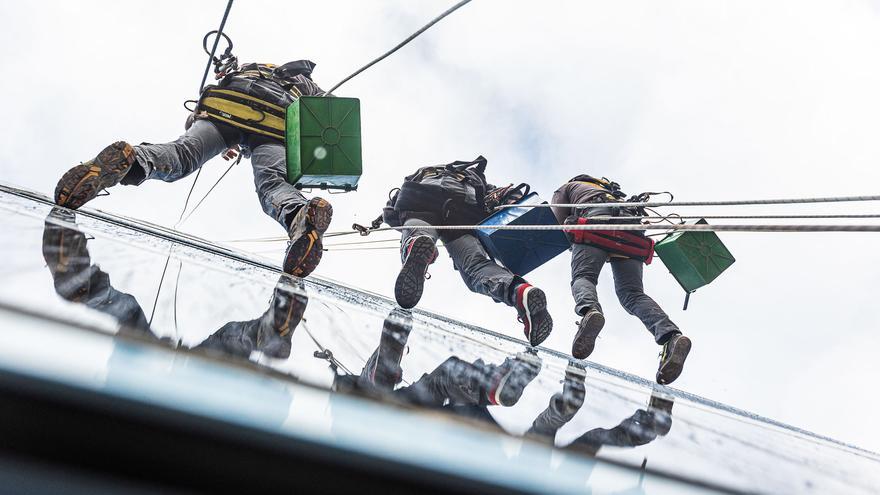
(306, 232)
(82, 183)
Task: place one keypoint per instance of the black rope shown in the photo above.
(400, 45)
(199, 171)
(196, 207)
(216, 42)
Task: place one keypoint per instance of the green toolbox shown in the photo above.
(323, 137)
(694, 258)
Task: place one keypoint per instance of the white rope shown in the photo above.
(623, 204)
(675, 227)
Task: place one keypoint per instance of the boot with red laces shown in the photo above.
(531, 304)
(418, 252)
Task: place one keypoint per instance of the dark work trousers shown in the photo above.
(586, 264)
(480, 273)
(173, 161)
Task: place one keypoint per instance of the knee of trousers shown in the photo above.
(629, 296)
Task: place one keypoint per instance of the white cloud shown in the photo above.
(708, 99)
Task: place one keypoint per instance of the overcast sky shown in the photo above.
(709, 99)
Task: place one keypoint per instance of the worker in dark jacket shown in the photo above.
(455, 194)
(225, 121)
(627, 251)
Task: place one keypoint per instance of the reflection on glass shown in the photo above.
(77, 279)
(457, 386)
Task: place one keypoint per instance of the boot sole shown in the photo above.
(536, 303)
(411, 281)
(675, 364)
(585, 339)
(305, 253)
(82, 183)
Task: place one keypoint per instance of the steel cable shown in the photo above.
(748, 202)
(401, 44)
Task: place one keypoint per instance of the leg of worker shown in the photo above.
(173, 161)
(630, 292)
(480, 273)
(586, 264)
(305, 220)
(122, 163)
(417, 251)
(484, 276)
(279, 198)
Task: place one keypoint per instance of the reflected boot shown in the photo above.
(276, 326)
(531, 305)
(588, 330)
(236, 338)
(507, 381)
(383, 368)
(83, 182)
(563, 406)
(675, 352)
(67, 256)
(306, 232)
(660, 406)
(418, 252)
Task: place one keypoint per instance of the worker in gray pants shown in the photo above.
(627, 252)
(222, 123)
(455, 194)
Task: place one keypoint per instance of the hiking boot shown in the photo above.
(672, 358)
(660, 406)
(236, 339)
(276, 326)
(508, 381)
(67, 256)
(531, 305)
(83, 182)
(418, 252)
(588, 329)
(306, 232)
(383, 368)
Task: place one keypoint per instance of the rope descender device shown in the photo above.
(226, 62)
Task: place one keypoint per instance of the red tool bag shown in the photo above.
(622, 242)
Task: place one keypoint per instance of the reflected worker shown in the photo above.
(77, 280)
(626, 252)
(458, 386)
(456, 194)
(210, 132)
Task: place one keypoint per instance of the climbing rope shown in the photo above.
(401, 44)
(192, 187)
(748, 202)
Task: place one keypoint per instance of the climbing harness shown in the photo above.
(623, 243)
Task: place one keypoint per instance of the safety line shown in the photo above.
(698, 227)
(195, 179)
(623, 204)
(569, 227)
(400, 45)
(196, 207)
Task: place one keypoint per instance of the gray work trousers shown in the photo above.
(480, 273)
(586, 263)
(201, 142)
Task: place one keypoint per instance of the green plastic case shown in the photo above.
(324, 143)
(694, 258)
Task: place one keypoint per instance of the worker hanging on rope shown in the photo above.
(456, 194)
(626, 251)
(243, 113)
